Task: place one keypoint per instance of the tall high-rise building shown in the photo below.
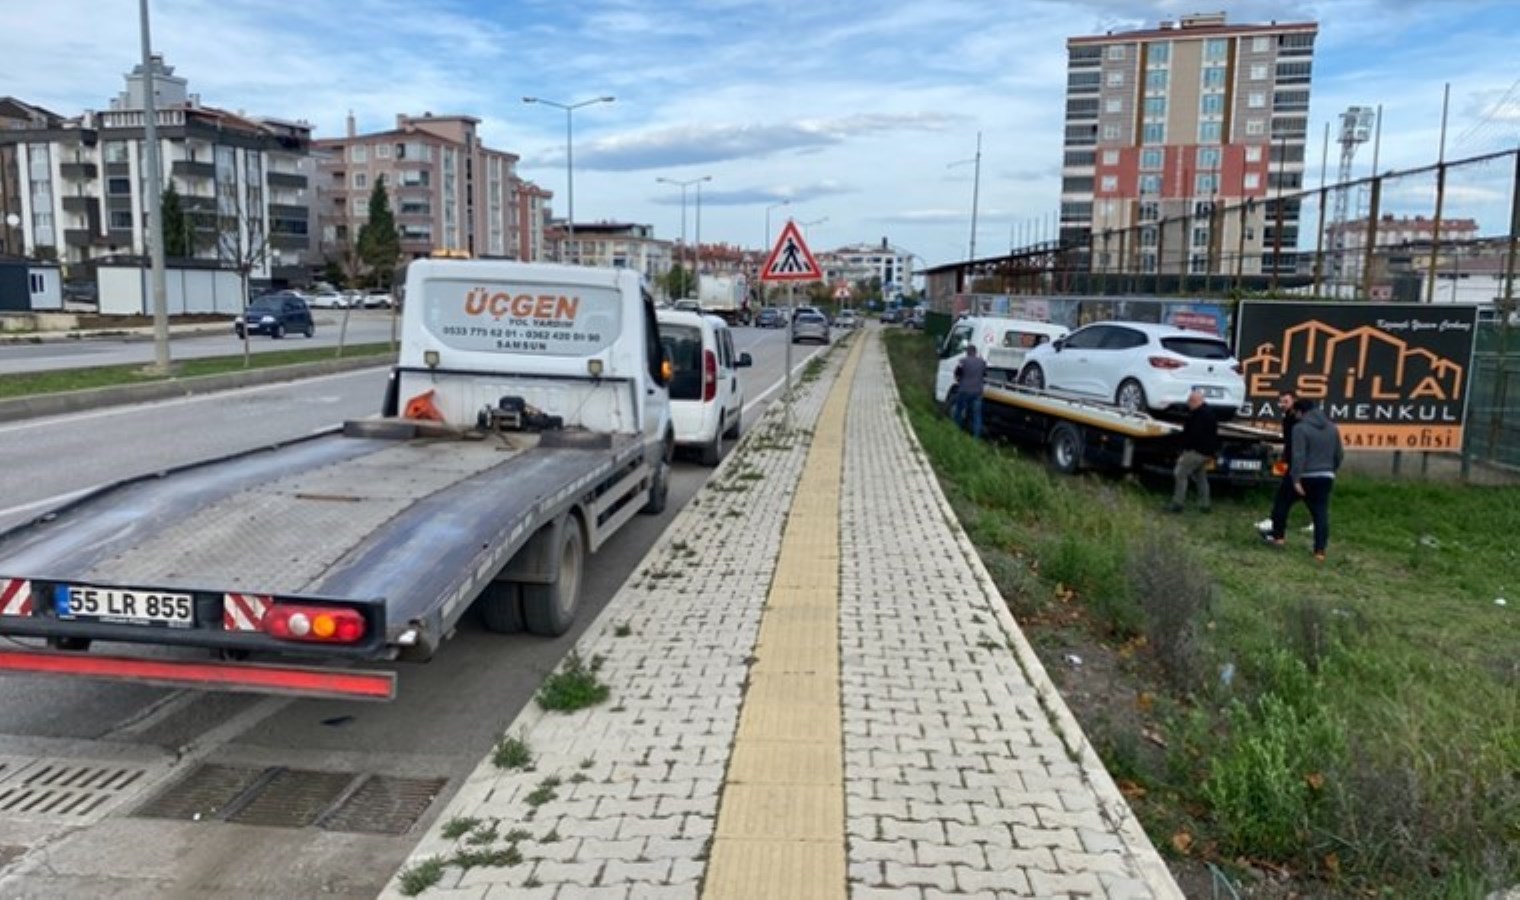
(1167, 127)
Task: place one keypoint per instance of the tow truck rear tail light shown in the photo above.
(314, 624)
(1166, 362)
(709, 376)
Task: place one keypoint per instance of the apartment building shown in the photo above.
(863, 262)
(1167, 127)
(613, 244)
(72, 188)
(447, 189)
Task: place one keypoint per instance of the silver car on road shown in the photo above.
(809, 326)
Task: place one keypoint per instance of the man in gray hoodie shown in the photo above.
(1317, 456)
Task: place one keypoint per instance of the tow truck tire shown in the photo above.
(549, 609)
(1066, 448)
(659, 493)
(1033, 376)
(500, 607)
(1131, 396)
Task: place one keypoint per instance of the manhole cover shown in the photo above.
(202, 794)
(384, 805)
(65, 791)
(292, 798)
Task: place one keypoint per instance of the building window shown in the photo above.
(116, 151)
(1156, 80)
(119, 187)
(1116, 52)
(1213, 78)
(1151, 158)
(1115, 78)
(1261, 44)
(358, 153)
(1206, 183)
(1253, 152)
(1200, 236)
(1110, 157)
(1208, 132)
(1258, 73)
(1150, 184)
(1110, 132)
(1255, 127)
(1208, 158)
(1147, 262)
(382, 151)
(361, 181)
(1148, 237)
(1256, 100)
(359, 206)
(1150, 211)
(1158, 54)
(1212, 105)
(1252, 181)
(121, 219)
(1155, 107)
(1154, 133)
(1113, 105)
(1216, 49)
(1109, 184)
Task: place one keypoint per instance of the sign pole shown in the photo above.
(791, 316)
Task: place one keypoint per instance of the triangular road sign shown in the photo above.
(791, 260)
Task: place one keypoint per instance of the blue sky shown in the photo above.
(853, 111)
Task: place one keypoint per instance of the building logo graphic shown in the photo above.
(1392, 376)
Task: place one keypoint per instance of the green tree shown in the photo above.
(379, 241)
(179, 231)
(679, 282)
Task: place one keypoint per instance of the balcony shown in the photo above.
(78, 170)
(284, 241)
(87, 206)
(184, 168)
(285, 211)
(287, 180)
(79, 237)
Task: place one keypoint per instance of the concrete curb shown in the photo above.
(125, 335)
(38, 405)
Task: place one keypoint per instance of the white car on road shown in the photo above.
(1140, 366)
(706, 399)
(327, 300)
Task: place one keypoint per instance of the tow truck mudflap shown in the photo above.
(252, 678)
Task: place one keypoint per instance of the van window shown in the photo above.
(683, 345)
(654, 348)
(725, 348)
(1024, 340)
(955, 342)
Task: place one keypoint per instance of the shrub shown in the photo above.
(1174, 591)
(573, 687)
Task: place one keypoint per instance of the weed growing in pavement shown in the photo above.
(459, 826)
(496, 857)
(418, 878)
(512, 752)
(750, 476)
(544, 793)
(622, 629)
(518, 835)
(551, 838)
(483, 834)
(575, 686)
(579, 778)
(532, 883)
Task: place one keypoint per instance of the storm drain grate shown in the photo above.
(384, 805)
(65, 791)
(202, 794)
(291, 798)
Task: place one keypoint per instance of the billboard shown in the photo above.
(1392, 376)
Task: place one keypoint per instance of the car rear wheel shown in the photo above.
(733, 429)
(712, 451)
(311, 330)
(1131, 396)
(549, 609)
(1033, 376)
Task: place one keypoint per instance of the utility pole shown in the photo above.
(152, 186)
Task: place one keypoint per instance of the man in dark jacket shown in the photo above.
(1200, 443)
(1317, 456)
(1286, 495)
(970, 379)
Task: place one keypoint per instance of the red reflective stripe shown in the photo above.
(15, 597)
(244, 612)
(292, 680)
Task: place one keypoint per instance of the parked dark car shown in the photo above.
(276, 315)
(892, 316)
(770, 317)
(810, 326)
(914, 319)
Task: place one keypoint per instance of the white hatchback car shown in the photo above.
(706, 399)
(1139, 366)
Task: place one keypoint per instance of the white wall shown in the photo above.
(128, 291)
(50, 295)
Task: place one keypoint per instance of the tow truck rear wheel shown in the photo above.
(549, 609)
(500, 607)
(659, 492)
(1066, 449)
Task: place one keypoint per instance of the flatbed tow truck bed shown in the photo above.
(406, 529)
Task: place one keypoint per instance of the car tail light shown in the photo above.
(316, 624)
(709, 375)
(1166, 362)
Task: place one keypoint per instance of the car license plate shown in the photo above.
(125, 607)
(1212, 393)
(1246, 465)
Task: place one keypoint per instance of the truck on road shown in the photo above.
(526, 421)
(726, 296)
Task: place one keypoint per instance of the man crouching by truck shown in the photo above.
(1200, 444)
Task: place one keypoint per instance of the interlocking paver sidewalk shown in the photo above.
(963, 771)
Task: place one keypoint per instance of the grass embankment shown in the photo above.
(1349, 726)
(31, 383)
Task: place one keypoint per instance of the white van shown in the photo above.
(1002, 342)
(706, 399)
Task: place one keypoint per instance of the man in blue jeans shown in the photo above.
(1317, 456)
(971, 378)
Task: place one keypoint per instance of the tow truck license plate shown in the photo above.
(80, 602)
(1246, 465)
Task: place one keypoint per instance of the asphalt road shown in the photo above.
(448, 714)
(364, 327)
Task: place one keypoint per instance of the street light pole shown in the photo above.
(569, 108)
(155, 236)
(976, 191)
(683, 185)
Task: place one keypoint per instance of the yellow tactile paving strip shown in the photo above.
(781, 820)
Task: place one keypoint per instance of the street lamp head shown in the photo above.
(530, 99)
(607, 99)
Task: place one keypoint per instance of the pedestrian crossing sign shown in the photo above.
(791, 260)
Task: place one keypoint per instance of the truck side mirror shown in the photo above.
(745, 360)
(1058, 343)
